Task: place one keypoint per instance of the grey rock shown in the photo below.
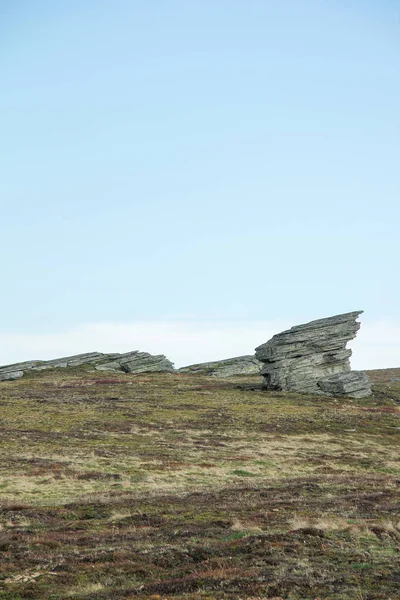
(355, 384)
(74, 361)
(300, 358)
(15, 371)
(138, 362)
(240, 365)
(112, 366)
(130, 362)
(9, 375)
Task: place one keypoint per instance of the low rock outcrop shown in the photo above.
(136, 362)
(240, 365)
(355, 384)
(130, 362)
(313, 358)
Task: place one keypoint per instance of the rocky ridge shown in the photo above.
(130, 362)
(309, 358)
(239, 365)
(313, 358)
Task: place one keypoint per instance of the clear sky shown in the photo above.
(174, 170)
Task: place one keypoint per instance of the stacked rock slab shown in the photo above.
(130, 362)
(240, 365)
(313, 358)
(137, 362)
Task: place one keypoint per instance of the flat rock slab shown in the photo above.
(130, 362)
(302, 357)
(137, 362)
(355, 384)
(240, 365)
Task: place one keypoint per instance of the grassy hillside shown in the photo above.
(182, 486)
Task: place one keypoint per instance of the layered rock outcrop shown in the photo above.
(240, 365)
(130, 362)
(313, 358)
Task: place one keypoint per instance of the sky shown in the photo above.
(189, 178)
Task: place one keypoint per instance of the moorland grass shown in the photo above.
(184, 486)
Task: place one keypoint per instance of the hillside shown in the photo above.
(178, 485)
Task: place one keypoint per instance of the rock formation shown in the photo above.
(312, 358)
(240, 365)
(131, 362)
(136, 362)
(355, 384)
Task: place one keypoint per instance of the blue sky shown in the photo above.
(197, 164)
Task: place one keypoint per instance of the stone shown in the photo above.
(138, 362)
(10, 375)
(354, 384)
(130, 362)
(74, 361)
(15, 371)
(302, 357)
(240, 365)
